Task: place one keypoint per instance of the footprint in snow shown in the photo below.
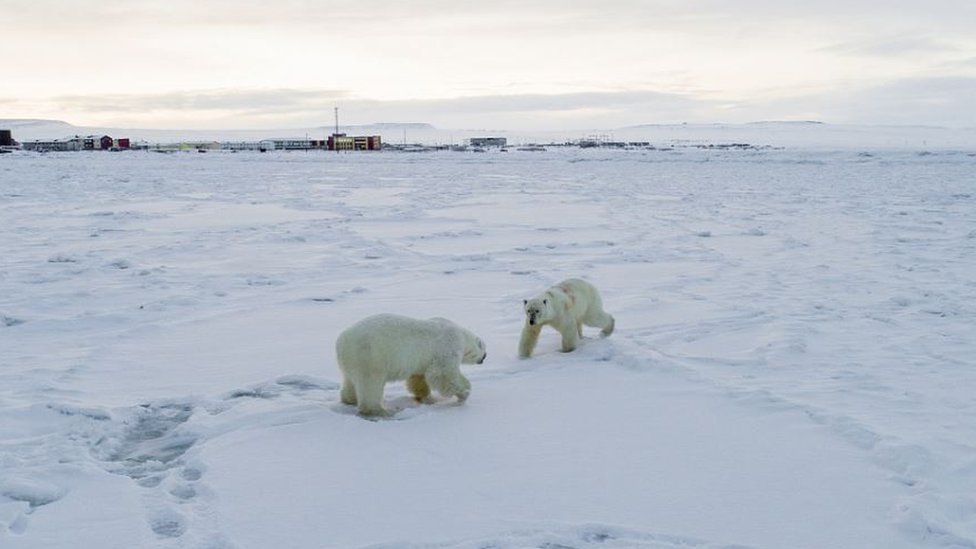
(292, 384)
(151, 449)
(168, 524)
(24, 497)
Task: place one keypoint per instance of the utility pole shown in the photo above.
(335, 136)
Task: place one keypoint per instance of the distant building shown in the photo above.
(7, 143)
(79, 143)
(96, 142)
(56, 145)
(201, 146)
(343, 142)
(262, 146)
(298, 144)
(488, 141)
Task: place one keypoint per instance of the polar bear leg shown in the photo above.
(347, 395)
(369, 396)
(463, 388)
(449, 382)
(599, 319)
(417, 385)
(571, 337)
(530, 336)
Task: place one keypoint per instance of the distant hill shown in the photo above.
(802, 133)
(31, 129)
(418, 126)
(713, 125)
(790, 122)
(12, 123)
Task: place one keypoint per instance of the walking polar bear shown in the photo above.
(387, 347)
(567, 306)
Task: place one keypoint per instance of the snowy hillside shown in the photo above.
(792, 367)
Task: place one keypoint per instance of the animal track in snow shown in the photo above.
(32, 492)
(578, 537)
(168, 524)
(8, 321)
(149, 449)
(151, 443)
(155, 445)
(293, 384)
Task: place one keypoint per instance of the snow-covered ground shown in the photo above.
(794, 362)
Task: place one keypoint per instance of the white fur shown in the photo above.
(386, 347)
(567, 306)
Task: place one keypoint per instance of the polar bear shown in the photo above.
(387, 347)
(567, 306)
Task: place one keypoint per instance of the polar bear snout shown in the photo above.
(483, 353)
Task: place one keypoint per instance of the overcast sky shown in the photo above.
(499, 64)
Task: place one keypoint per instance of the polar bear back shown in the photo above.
(568, 303)
(577, 296)
(393, 347)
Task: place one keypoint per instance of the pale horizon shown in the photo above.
(537, 66)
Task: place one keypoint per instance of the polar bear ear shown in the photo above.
(525, 302)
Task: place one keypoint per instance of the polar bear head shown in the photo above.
(537, 310)
(474, 348)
